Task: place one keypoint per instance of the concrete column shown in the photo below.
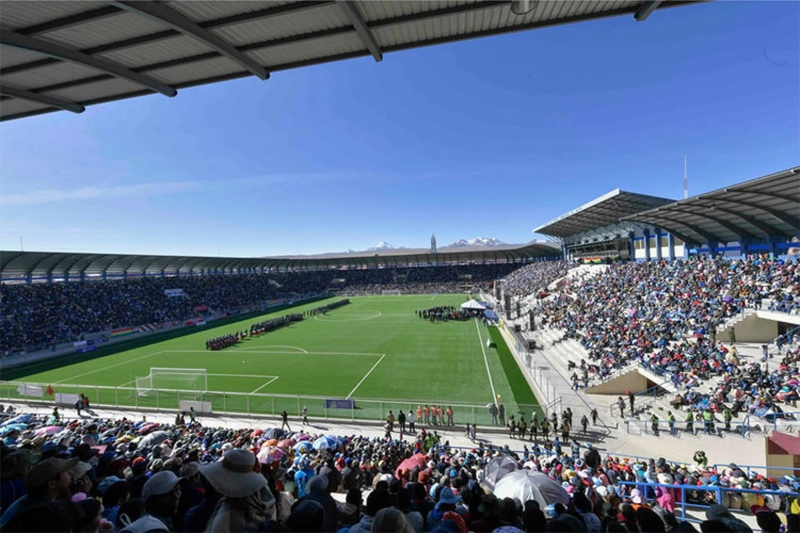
(658, 243)
(647, 244)
(671, 245)
(632, 245)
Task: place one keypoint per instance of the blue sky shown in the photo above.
(488, 137)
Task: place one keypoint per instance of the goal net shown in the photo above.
(393, 292)
(173, 379)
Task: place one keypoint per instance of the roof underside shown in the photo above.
(39, 265)
(608, 209)
(756, 209)
(67, 55)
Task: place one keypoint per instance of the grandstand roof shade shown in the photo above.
(763, 207)
(69, 55)
(40, 265)
(602, 211)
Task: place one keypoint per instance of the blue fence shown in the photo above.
(717, 491)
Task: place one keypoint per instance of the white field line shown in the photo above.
(266, 348)
(486, 361)
(365, 376)
(240, 376)
(128, 361)
(276, 353)
(265, 384)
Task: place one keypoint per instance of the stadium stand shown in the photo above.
(40, 315)
(186, 477)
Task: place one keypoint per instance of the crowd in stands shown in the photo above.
(42, 315)
(664, 315)
(534, 278)
(133, 476)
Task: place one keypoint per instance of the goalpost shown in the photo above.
(393, 292)
(173, 379)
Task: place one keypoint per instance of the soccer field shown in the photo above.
(375, 351)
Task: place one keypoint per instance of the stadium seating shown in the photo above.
(39, 316)
(132, 466)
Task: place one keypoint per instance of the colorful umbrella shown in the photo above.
(415, 460)
(302, 447)
(286, 443)
(272, 442)
(270, 455)
(326, 443)
(48, 430)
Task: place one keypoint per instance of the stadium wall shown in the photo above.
(22, 367)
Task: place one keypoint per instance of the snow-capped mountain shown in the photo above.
(381, 246)
(480, 241)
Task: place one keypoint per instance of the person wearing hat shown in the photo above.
(12, 470)
(160, 494)
(447, 502)
(246, 501)
(45, 482)
(191, 492)
(318, 491)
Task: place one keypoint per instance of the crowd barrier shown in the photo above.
(717, 491)
(678, 427)
(241, 403)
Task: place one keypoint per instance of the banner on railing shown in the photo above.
(66, 399)
(173, 293)
(119, 332)
(31, 390)
(340, 404)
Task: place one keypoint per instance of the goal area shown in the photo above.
(173, 379)
(393, 292)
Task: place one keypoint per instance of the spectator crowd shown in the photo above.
(133, 476)
(42, 315)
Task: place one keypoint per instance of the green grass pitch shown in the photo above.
(374, 351)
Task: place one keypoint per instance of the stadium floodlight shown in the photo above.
(523, 7)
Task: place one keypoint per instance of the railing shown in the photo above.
(718, 491)
(753, 468)
(699, 426)
(366, 409)
(653, 392)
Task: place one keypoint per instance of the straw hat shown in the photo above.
(233, 476)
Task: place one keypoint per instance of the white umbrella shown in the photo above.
(530, 485)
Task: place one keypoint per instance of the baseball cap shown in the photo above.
(160, 483)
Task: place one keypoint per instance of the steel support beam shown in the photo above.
(161, 12)
(703, 233)
(763, 226)
(733, 228)
(57, 51)
(41, 99)
(646, 10)
(767, 194)
(784, 217)
(350, 9)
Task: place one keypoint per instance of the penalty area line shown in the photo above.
(366, 376)
(274, 378)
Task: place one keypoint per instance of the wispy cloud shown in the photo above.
(48, 196)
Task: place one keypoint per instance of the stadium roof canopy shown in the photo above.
(763, 207)
(67, 55)
(602, 211)
(21, 266)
